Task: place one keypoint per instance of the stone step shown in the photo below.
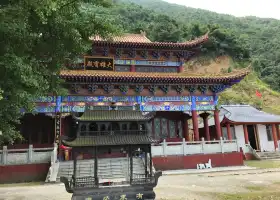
(270, 158)
(268, 153)
(271, 154)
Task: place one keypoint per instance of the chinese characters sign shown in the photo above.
(95, 63)
(57, 128)
(138, 196)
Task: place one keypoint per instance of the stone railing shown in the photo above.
(249, 149)
(27, 156)
(195, 147)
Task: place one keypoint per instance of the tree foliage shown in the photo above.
(160, 27)
(37, 37)
(259, 36)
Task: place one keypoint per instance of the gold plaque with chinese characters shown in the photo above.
(99, 63)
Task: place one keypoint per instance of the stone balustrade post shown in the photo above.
(184, 146)
(164, 147)
(5, 155)
(222, 144)
(237, 146)
(202, 145)
(54, 154)
(30, 153)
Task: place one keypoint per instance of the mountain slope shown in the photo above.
(261, 36)
(241, 93)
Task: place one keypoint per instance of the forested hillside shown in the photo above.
(261, 36)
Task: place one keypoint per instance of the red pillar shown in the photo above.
(246, 134)
(217, 124)
(153, 129)
(132, 68)
(206, 125)
(274, 134)
(278, 131)
(181, 69)
(186, 128)
(195, 125)
(229, 132)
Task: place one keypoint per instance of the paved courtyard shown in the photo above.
(171, 187)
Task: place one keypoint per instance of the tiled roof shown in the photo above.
(248, 114)
(153, 77)
(115, 115)
(243, 114)
(140, 40)
(108, 140)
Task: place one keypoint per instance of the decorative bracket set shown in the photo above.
(108, 88)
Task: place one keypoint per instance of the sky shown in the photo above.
(238, 8)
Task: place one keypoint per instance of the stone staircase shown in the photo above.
(269, 155)
(109, 169)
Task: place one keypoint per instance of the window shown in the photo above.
(83, 130)
(269, 132)
(93, 128)
(233, 134)
(225, 134)
(172, 129)
(232, 131)
(103, 127)
(124, 127)
(157, 128)
(164, 131)
(115, 126)
(134, 126)
(180, 130)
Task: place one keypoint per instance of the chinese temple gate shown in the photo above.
(131, 73)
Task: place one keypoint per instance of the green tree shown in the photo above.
(165, 29)
(37, 37)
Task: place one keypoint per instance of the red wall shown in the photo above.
(190, 162)
(23, 173)
(249, 156)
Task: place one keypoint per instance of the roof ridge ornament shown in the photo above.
(143, 33)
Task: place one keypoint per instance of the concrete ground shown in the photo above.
(172, 187)
(199, 171)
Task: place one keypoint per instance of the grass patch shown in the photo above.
(256, 192)
(250, 196)
(277, 183)
(21, 184)
(263, 164)
(254, 188)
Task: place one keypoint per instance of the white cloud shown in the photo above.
(239, 8)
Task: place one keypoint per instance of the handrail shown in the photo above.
(253, 151)
(26, 150)
(197, 142)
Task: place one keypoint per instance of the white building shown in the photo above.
(248, 125)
